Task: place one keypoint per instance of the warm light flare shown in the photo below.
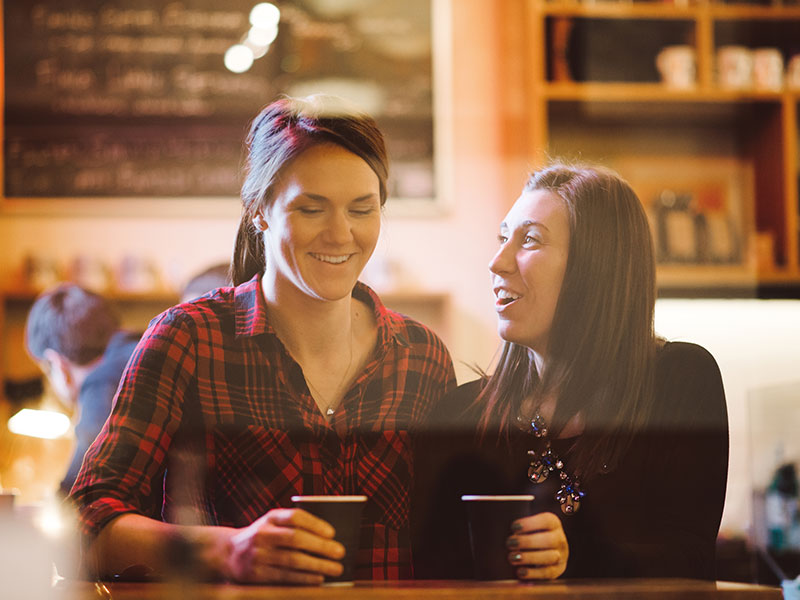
(50, 522)
(262, 37)
(239, 58)
(45, 424)
(265, 16)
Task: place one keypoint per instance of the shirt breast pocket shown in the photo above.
(255, 469)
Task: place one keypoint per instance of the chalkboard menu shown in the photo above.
(132, 98)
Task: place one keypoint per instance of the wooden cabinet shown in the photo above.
(594, 94)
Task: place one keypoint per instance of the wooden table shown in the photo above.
(609, 589)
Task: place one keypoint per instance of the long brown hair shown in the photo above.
(602, 346)
(279, 134)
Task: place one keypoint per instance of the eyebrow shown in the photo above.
(321, 198)
(527, 223)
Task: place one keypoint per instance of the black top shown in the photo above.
(96, 397)
(656, 514)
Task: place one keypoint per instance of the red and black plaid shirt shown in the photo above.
(214, 424)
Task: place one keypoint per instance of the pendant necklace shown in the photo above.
(545, 461)
(329, 410)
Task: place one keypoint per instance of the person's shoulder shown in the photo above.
(687, 358)
(689, 384)
(457, 409)
(414, 331)
(214, 305)
(213, 311)
(466, 393)
(216, 300)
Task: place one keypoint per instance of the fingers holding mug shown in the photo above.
(538, 548)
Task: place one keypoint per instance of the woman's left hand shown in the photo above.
(538, 547)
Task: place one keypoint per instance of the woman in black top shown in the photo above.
(621, 436)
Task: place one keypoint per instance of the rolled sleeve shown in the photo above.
(123, 469)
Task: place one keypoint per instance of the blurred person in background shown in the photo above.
(297, 380)
(621, 436)
(75, 337)
(210, 278)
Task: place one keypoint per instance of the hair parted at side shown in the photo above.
(601, 349)
(74, 322)
(279, 134)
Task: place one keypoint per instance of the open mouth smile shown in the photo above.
(504, 297)
(331, 258)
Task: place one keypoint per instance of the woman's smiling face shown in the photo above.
(528, 269)
(323, 223)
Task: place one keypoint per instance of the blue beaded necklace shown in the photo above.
(545, 462)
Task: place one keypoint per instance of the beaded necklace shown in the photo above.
(545, 461)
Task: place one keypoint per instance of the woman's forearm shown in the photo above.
(135, 540)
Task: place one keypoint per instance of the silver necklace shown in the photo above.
(329, 408)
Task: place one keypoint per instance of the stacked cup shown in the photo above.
(740, 68)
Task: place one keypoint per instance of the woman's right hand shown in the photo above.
(286, 545)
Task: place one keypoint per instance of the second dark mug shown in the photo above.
(344, 514)
(490, 519)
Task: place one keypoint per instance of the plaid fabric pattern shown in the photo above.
(214, 424)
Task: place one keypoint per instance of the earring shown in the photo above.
(259, 222)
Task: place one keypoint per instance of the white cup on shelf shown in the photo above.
(735, 67)
(676, 65)
(768, 69)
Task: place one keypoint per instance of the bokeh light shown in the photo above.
(239, 58)
(45, 424)
(265, 16)
(262, 37)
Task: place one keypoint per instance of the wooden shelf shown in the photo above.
(723, 12)
(158, 296)
(708, 281)
(706, 275)
(658, 92)
(605, 9)
(619, 10)
(779, 276)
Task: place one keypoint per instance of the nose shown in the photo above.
(339, 230)
(503, 260)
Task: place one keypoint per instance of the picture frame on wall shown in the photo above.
(700, 210)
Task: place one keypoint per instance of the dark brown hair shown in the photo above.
(278, 135)
(601, 346)
(73, 321)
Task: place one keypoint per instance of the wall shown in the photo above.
(757, 346)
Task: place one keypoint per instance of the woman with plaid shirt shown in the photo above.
(297, 380)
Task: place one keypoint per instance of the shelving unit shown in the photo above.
(643, 125)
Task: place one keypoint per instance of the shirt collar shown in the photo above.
(252, 320)
(250, 309)
(391, 326)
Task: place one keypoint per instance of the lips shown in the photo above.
(333, 259)
(505, 297)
